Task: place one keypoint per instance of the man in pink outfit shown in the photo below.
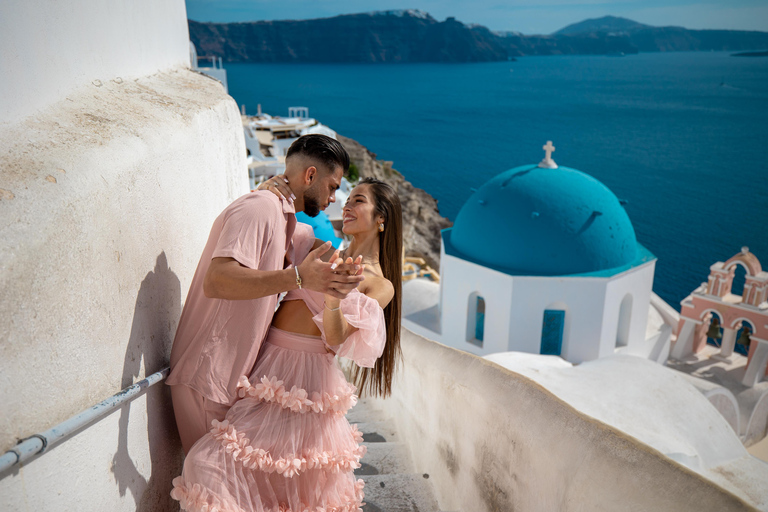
(246, 263)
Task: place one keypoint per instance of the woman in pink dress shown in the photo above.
(285, 445)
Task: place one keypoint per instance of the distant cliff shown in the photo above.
(667, 39)
(393, 36)
(422, 221)
(415, 36)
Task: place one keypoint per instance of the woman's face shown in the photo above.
(359, 214)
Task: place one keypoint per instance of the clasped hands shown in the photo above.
(335, 278)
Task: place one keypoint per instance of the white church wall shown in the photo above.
(637, 284)
(459, 280)
(582, 299)
(112, 192)
(592, 308)
(51, 48)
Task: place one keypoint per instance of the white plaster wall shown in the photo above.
(653, 404)
(459, 279)
(421, 297)
(280, 146)
(638, 283)
(106, 201)
(583, 299)
(443, 263)
(219, 74)
(669, 314)
(117, 464)
(50, 48)
(757, 426)
(491, 439)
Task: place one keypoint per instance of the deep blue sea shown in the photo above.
(682, 136)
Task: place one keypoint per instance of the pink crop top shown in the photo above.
(366, 344)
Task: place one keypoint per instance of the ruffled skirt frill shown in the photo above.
(285, 446)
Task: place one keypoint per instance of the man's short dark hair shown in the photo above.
(322, 148)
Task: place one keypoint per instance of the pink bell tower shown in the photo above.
(748, 311)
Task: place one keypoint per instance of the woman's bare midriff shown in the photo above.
(295, 316)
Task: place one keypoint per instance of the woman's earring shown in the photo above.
(381, 228)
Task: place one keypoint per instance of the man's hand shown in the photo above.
(319, 276)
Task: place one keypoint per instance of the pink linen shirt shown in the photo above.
(218, 340)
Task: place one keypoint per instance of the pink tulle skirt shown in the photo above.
(285, 445)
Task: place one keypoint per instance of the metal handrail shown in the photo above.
(40, 443)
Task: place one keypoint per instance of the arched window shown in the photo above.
(739, 277)
(476, 319)
(552, 332)
(625, 316)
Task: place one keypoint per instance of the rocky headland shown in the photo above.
(415, 36)
(392, 36)
(422, 221)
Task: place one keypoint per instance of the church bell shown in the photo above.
(714, 329)
(744, 338)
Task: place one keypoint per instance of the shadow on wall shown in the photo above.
(158, 306)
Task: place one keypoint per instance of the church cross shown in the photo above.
(548, 163)
(549, 149)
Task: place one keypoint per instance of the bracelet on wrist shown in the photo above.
(331, 309)
(298, 277)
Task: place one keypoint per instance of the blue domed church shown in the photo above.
(544, 259)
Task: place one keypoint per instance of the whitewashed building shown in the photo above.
(544, 259)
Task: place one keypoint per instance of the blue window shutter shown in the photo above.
(480, 319)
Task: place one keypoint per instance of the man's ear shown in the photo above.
(310, 173)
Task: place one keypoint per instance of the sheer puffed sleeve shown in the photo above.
(366, 344)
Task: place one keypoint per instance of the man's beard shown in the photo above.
(311, 203)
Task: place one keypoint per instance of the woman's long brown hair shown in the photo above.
(378, 380)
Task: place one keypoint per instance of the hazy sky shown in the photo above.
(526, 16)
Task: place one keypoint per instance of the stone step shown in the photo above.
(387, 469)
(364, 412)
(398, 493)
(378, 432)
(385, 459)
